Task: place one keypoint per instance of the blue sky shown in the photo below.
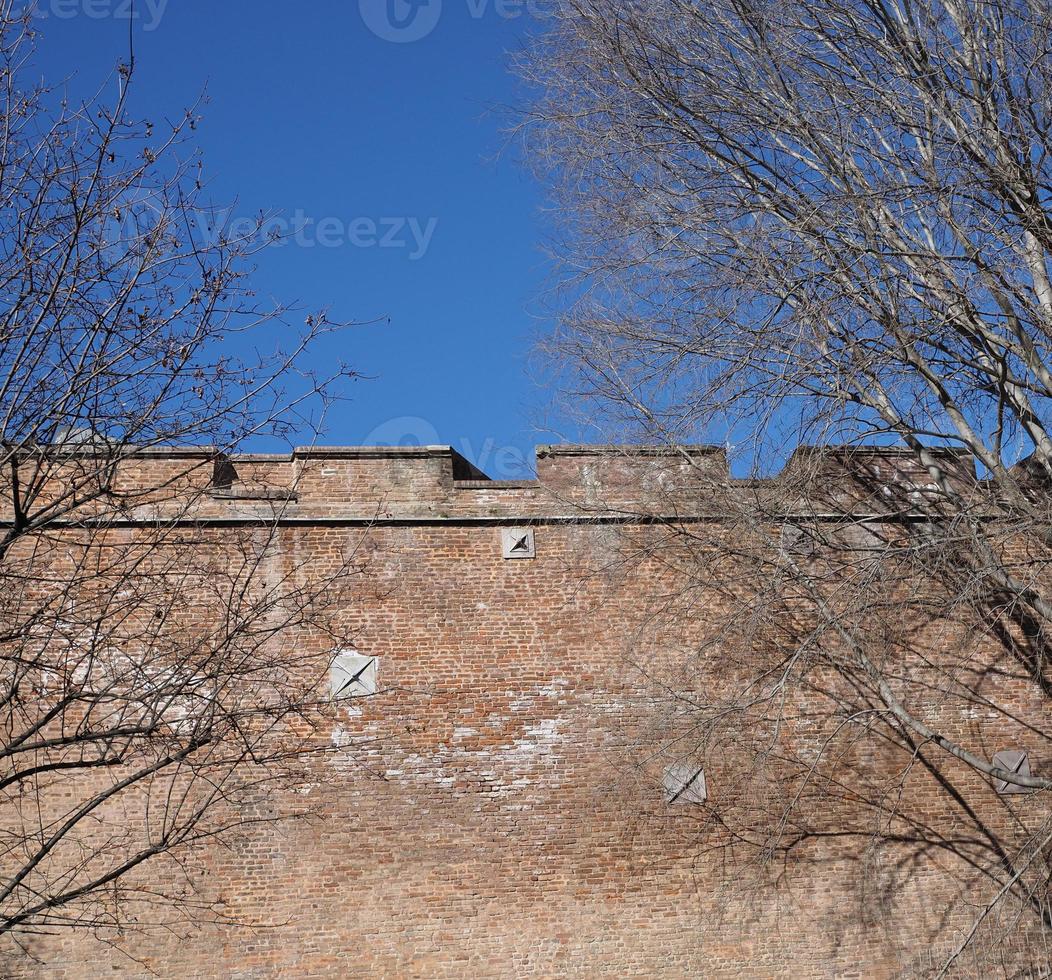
(332, 110)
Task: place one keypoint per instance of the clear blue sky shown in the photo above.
(313, 111)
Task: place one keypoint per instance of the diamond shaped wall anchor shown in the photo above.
(354, 676)
(1014, 760)
(684, 782)
(518, 542)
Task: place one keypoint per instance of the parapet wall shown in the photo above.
(436, 483)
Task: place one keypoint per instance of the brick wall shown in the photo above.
(497, 809)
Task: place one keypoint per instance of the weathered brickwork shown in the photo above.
(497, 809)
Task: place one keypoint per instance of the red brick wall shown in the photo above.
(497, 810)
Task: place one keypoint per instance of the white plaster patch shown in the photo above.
(341, 738)
(423, 769)
(516, 767)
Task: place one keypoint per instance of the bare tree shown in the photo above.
(830, 221)
(155, 678)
